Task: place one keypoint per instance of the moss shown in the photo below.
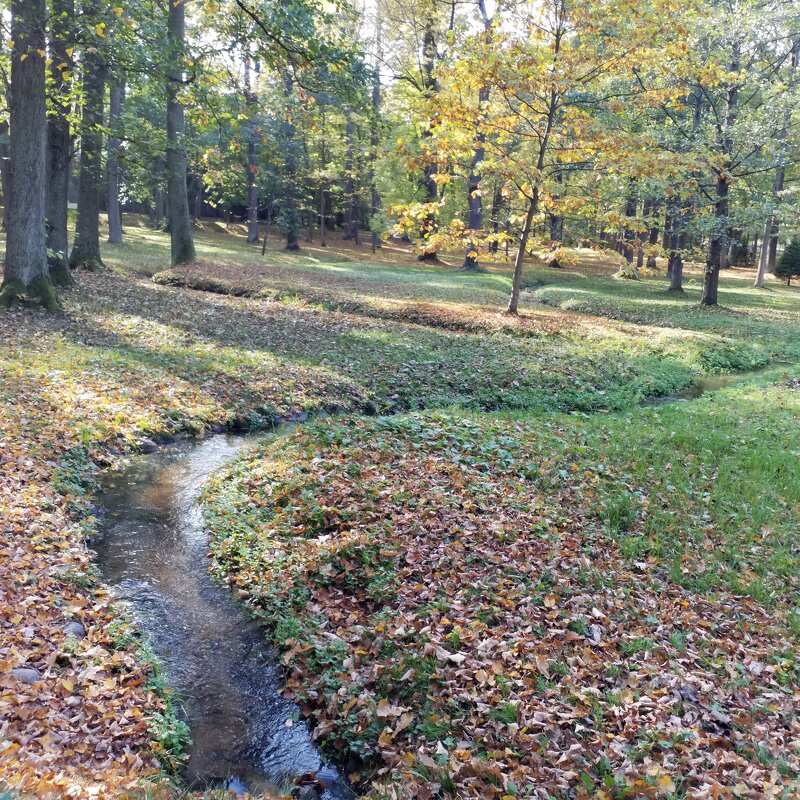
(89, 263)
(42, 292)
(39, 292)
(11, 294)
(60, 273)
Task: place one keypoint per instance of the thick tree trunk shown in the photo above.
(5, 169)
(180, 223)
(26, 239)
(516, 283)
(86, 247)
(676, 272)
(116, 98)
(59, 144)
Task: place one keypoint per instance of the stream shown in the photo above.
(152, 550)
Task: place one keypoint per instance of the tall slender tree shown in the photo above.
(252, 162)
(86, 247)
(59, 139)
(180, 221)
(116, 97)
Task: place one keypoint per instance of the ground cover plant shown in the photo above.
(535, 606)
(133, 358)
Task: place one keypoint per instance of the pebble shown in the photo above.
(75, 629)
(147, 446)
(26, 675)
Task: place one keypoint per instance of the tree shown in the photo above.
(180, 221)
(113, 169)
(26, 274)
(474, 198)
(788, 265)
(252, 163)
(86, 247)
(59, 140)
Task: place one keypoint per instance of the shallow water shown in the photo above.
(152, 550)
(703, 384)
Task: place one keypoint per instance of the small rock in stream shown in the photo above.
(236, 786)
(147, 446)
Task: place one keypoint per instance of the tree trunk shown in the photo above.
(516, 283)
(290, 211)
(159, 204)
(474, 185)
(59, 144)
(86, 247)
(719, 231)
(350, 199)
(374, 143)
(5, 161)
(252, 164)
(769, 242)
(676, 272)
(653, 236)
(430, 187)
(116, 98)
(628, 245)
(26, 238)
(180, 223)
(266, 227)
(197, 207)
(715, 247)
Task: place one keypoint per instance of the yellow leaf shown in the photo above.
(118, 11)
(665, 782)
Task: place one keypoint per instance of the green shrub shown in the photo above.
(788, 265)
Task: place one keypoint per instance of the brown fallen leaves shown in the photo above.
(126, 359)
(469, 629)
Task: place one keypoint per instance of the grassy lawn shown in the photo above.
(490, 572)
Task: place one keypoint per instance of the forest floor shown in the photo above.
(508, 579)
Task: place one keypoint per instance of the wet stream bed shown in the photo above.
(152, 550)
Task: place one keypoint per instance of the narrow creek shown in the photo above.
(152, 550)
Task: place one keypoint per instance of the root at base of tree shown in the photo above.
(39, 293)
